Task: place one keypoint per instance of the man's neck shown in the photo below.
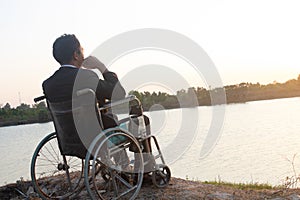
(74, 63)
(68, 65)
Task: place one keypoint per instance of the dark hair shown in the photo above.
(64, 48)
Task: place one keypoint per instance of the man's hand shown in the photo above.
(92, 62)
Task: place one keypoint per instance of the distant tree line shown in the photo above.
(244, 92)
(238, 93)
(24, 114)
(190, 97)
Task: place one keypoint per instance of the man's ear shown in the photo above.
(76, 55)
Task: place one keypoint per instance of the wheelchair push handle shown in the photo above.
(40, 98)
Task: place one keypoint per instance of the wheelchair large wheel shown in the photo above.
(119, 157)
(55, 176)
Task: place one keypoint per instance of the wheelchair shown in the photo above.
(110, 164)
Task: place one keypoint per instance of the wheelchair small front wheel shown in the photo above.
(161, 176)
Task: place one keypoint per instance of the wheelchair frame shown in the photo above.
(102, 175)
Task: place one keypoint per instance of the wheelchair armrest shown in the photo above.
(85, 91)
(119, 102)
(109, 104)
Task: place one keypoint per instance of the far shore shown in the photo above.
(24, 122)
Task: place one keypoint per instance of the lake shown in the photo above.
(256, 144)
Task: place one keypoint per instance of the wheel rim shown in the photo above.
(49, 171)
(117, 183)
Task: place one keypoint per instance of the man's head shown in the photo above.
(67, 50)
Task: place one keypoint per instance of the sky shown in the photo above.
(248, 41)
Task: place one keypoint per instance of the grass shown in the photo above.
(242, 186)
(290, 182)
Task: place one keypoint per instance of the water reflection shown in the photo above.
(256, 140)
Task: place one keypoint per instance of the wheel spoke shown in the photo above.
(127, 191)
(57, 155)
(51, 154)
(123, 181)
(47, 159)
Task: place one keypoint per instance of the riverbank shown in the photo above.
(48, 119)
(191, 97)
(178, 189)
(22, 122)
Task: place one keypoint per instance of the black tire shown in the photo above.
(120, 178)
(161, 176)
(55, 176)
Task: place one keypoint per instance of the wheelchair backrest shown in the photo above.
(77, 123)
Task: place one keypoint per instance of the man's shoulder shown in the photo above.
(50, 78)
(87, 73)
(61, 73)
(66, 74)
(68, 71)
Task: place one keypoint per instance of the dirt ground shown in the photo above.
(178, 189)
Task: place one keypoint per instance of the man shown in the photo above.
(71, 77)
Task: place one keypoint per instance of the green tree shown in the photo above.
(23, 106)
(7, 106)
(43, 115)
(41, 105)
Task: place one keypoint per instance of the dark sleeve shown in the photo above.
(110, 88)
